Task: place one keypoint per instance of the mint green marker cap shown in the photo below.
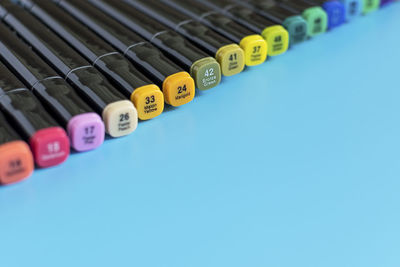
(370, 5)
(317, 20)
(297, 28)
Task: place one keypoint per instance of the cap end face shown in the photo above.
(50, 147)
(297, 28)
(179, 89)
(353, 8)
(255, 50)
(206, 73)
(317, 21)
(336, 13)
(86, 132)
(370, 6)
(277, 39)
(231, 59)
(120, 118)
(149, 101)
(16, 162)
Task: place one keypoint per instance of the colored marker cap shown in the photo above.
(370, 6)
(336, 13)
(206, 73)
(50, 147)
(297, 28)
(86, 132)
(353, 8)
(255, 50)
(120, 118)
(149, 101)
(179, 89)
(231, 59)
(16, 162)
(277, 39)
(317, 20)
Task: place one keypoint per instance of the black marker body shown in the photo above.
(202, 36)
(24, 111)
(254, 46)
(87, 80)
(140, 52)
(185, 54)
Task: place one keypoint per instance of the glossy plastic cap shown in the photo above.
(231, 59)
(149, 101)
(206, 73)
(277, 39)
(50, 147)
(297, 28)
(179, 89)
(255, 50)
(86, 132)
(16, 162)
(317, 20)
(120, 118)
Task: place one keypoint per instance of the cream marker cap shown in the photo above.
(120, 118)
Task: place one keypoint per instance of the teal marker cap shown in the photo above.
(297, 28)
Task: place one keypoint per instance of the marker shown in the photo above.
(204, 69)
(16, 160)
(49, 142)
(294, 24)
(316, 17)
(229, 55)
(385, 2)
(353, 8)
(277, 36)
(84, 127)
(141, 53)
(370, 6)
(113, 65)
(335, 9)
(254, 46)
(119, 115)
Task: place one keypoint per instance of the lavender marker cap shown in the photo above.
(86, 132)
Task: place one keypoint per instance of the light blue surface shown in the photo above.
(291, 164)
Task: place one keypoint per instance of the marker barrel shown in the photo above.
(292, 21)
(229, 55)
(335, 9)
(316, 17)
(108, 60)
(16, 161)
(277, 36)
(49, 142)
(141, 53)
(60, 100)
(254, 46)
(185, 54)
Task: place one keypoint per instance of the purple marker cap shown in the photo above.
(86, 132)
(385, 2)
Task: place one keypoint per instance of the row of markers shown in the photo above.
(71, 71)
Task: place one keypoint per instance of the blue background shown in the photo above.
(294, 163)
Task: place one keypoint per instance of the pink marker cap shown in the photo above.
(86, 132)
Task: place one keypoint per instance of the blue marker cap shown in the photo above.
(336, 13)
(353, 8)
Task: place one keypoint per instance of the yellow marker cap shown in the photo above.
(120, 118)
(255, 49)
(277, 39)
(231, 59)
(179, 89)
(149, 101)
